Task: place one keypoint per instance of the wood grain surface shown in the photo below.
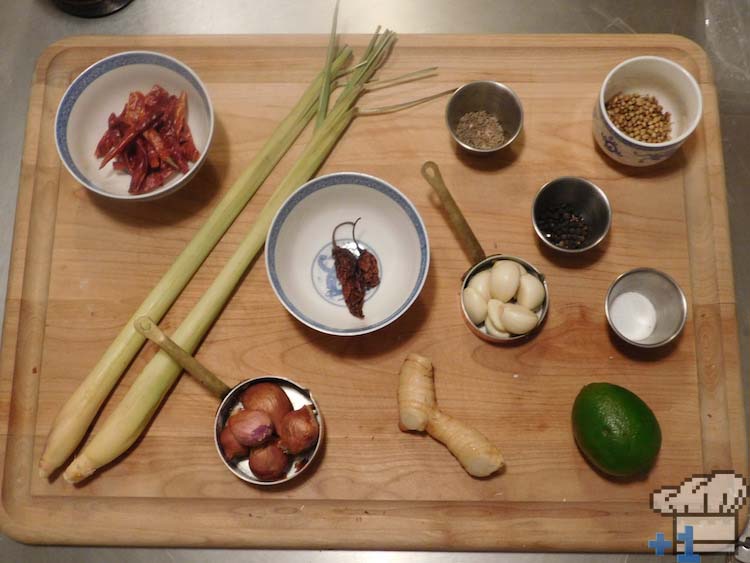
(81, 265)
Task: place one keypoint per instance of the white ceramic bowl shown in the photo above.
(298, 251)
(103, 88)
(674, 88)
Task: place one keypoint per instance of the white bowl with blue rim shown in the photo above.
(676, 91)
(102, 89)
(299, 247)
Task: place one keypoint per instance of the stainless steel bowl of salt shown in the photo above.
(646, 308)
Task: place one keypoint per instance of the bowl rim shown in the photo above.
(640, 144)
(170, 186)
(330, 180)
(232, 396)
(597, 190)
(508, 140)
(667, 277)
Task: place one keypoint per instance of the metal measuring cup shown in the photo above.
(479, 258)
(230, 401)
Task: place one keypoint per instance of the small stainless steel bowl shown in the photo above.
(585, 198)
(494, 98)
(486, 264)
(299, 396)
(666, 296)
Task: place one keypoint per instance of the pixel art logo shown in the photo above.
(704, 511)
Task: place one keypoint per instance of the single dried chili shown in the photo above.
(150, 139)
(356, 274)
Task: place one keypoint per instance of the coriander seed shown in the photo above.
(640, 117)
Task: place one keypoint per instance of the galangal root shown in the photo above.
(418, 411)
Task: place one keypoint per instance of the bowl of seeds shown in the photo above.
(484, 117)
(571, 214)
(647, 107)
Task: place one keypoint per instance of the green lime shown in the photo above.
(615, 429)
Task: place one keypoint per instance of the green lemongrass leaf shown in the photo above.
(376, 84)
(325, 90)
(403, 105)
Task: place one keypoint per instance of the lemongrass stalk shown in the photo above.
(325, 88)
(135, 410)
(76, 415)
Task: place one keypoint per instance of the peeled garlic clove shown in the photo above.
(530, 292)
(517, 319)
(474, 305)
(504, 280)
(481, 282)
(492, 329)
(521, 269)
(494, 310)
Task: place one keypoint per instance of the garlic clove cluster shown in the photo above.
(505, 299)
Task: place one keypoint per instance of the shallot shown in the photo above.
(250, 428)
(230, 446)
(298, 430)
(268, 462)
(269, 398)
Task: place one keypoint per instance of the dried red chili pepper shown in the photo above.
(368, 265)
(356, 274)
(149, 140)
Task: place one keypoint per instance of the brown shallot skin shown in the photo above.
(269, 398)
(268, 462)
(250, 428)
(298, 431)
(230, 446)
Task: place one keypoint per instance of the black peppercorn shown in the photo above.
(563, 227)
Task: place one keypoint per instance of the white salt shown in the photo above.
(633, 315)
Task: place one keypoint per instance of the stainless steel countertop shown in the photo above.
(721, 26)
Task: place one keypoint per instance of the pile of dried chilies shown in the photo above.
(150, 139)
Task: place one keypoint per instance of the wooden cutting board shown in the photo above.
(81, 265)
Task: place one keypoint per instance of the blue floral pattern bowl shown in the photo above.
(103, 88)
(674, 88)
(299, 247)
